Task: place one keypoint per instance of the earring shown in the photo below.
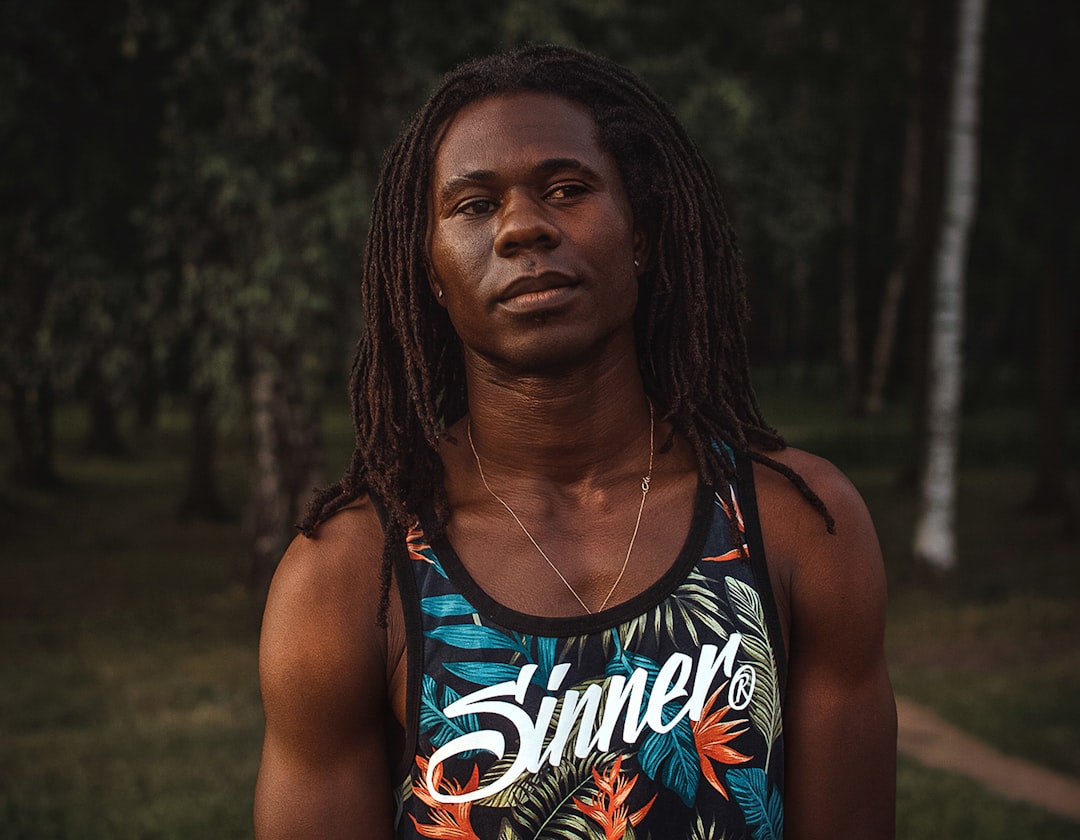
(440, 294)
(637, 264)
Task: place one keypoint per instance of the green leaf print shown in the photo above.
(692, 605)
(765, 708)
(543, 804)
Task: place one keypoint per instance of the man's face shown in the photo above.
(532, 239)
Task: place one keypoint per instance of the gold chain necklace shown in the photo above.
(645, 479)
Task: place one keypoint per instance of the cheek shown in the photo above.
(454, 258)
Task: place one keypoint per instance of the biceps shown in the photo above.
(344, 794)
(840, 745)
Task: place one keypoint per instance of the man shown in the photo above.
(612, 603)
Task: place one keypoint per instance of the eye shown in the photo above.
(562, 192)
(475, 207)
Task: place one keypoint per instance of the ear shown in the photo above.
(434, 284)
(642, 250)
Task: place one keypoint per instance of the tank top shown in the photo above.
(657, 718)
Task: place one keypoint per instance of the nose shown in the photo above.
(525, 223)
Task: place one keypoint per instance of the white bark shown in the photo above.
(935, 531)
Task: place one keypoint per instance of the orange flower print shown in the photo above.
(734, 554)
(449, 820)
(608, 807)
(417, 544)
(711, 735)
(733, 506)
(741, 551)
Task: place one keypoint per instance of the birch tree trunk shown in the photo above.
(910, 182)
(935, 530)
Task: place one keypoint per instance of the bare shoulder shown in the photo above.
(323, 599)
(323, 676)
(823, 477)
(830, 588)
(796, 533)
(831, 594)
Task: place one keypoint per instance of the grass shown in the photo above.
(129, 701)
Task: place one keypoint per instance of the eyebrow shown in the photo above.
(481, 176)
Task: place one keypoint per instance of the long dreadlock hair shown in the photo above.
(408, 381)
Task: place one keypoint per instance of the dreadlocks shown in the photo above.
(408, 381)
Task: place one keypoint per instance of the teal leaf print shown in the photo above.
(765, 708)
(764, 808)
(476, 637)
(489, 673)
(442, 606)
(671, 757)
(545, 653)
(432, 717)
(625, 662)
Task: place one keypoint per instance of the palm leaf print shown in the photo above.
(765, 709)
(692, 605)
(699, 832)
(667, 757)
(402, 793)
(432, 717)
(442, 606)
(506, 831)
(764, 808)
(543, 804)
(476, 637)
(671, 758)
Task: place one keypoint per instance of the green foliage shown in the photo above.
(128, 695)
(129, 702)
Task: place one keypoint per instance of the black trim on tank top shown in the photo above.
(414, 645)
(744, 469)
(579, 625)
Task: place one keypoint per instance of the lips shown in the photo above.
(535, 285)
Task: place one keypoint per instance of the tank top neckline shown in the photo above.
(576, 625)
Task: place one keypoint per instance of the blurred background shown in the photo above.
(185, 190)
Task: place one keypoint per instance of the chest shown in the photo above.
(543, 558)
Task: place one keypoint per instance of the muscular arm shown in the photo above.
(839, 716)
(322, 662)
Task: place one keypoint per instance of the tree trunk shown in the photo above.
(32, 421)
(935, 531)
(849, 268)
(938, 58)
(910, 181)
(1051, 493)
(103, 433)
(202, 498)
(287, 457)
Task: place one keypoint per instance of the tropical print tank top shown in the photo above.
(657, 718)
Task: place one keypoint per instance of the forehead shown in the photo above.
(517, 129)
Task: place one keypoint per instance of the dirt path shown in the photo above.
(926, 737)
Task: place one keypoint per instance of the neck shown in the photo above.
(572, 427)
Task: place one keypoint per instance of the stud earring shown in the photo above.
(637, 264)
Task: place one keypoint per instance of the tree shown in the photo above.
(935, 531)
(910, 180)
(76, 124)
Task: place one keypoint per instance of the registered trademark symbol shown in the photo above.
(741, 689)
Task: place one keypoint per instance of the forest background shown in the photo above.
(183, 202)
